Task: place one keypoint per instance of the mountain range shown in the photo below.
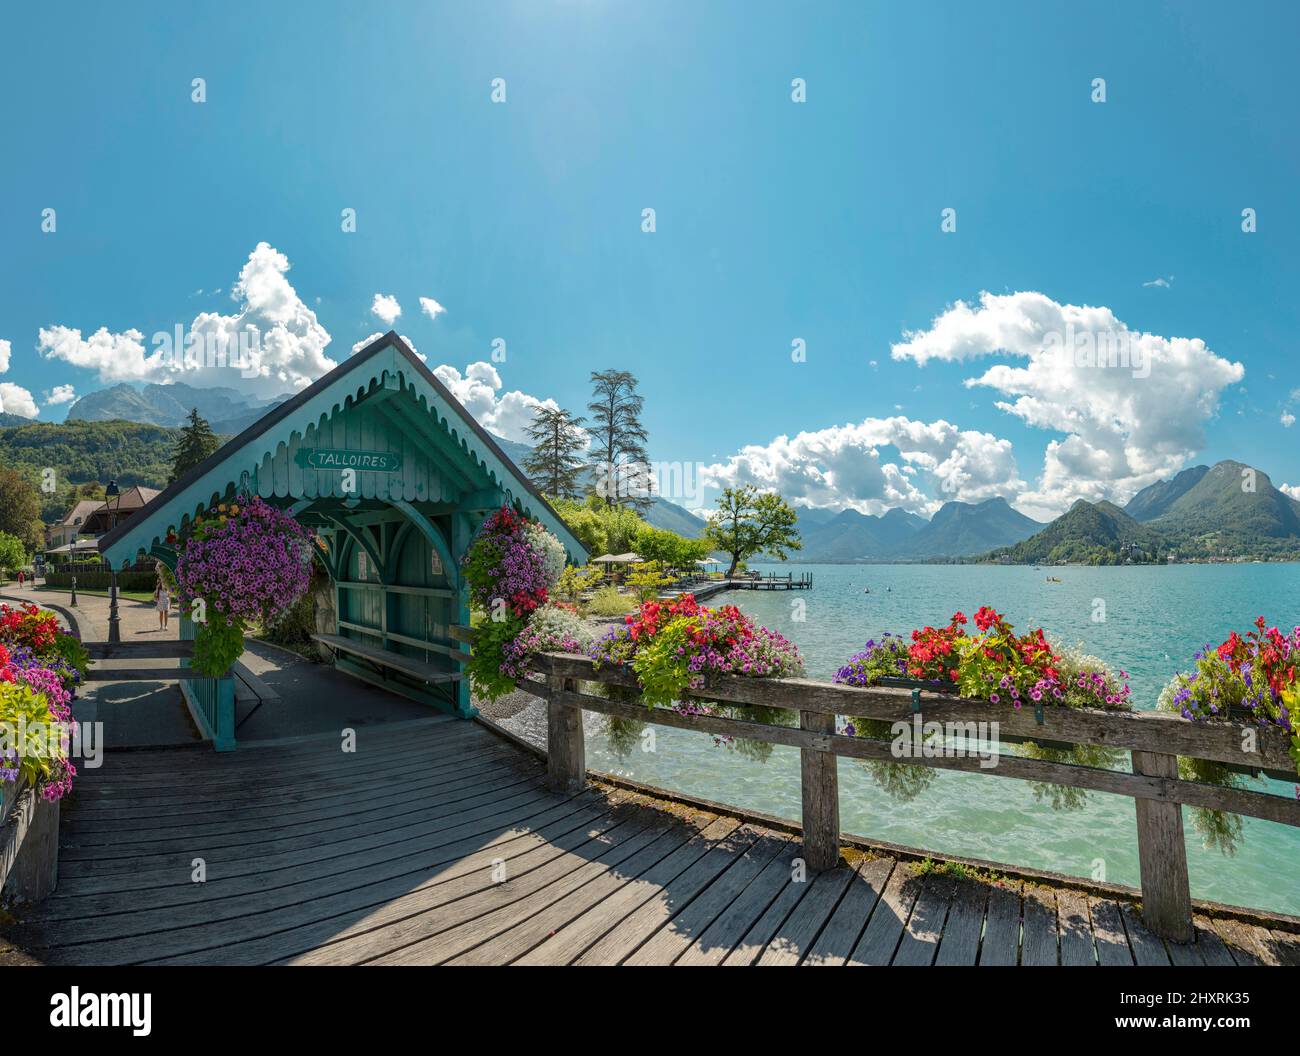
(228, 411)
(957, 529)
(1220, 512)
(1229, 510)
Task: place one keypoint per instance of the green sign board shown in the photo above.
(341, 458)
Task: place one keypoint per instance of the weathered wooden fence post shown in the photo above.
(819, 778)
(566, 750)
(1162, 854)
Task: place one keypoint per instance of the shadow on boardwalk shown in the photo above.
(436, 842)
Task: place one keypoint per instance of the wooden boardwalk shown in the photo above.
(436, 842)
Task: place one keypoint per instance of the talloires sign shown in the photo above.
(341, 458)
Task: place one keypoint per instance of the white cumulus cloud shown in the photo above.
(1288, 419)
(60, 394)
(877, 464)
(1132, 405)
(479, 389)
(273, 342)
(430, 307)
(376, 336)
(1291, 489)
(386, 308)
(14, 399)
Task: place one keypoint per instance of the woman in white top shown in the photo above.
(162, 601)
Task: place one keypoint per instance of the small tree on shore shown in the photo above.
(13, 555)
(556, 460)
(749, 522)
(197, 442)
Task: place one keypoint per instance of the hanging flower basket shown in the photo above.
(246, 562)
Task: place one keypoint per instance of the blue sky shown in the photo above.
(775, 221)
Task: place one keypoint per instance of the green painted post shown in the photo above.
(461, 535)
(223, 737)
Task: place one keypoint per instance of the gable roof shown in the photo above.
(193, 490)
(79, 512)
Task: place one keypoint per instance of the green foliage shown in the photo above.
(72, 652)
(670, 549)
(490, 638)
(623, 734)
(555, 462)
(197, 441)
(646, 580)
(20, 509)
(96, 578)
(22, 707)
(86, 454)
(607, 601)
(749, 522)
(13, 554)
(217, 645)
(575, 581)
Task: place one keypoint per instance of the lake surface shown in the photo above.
(1155, 618)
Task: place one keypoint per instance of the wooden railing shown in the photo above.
(211, 700)
(1154, 739)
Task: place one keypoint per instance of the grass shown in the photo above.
(130, 595)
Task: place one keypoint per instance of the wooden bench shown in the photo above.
(382, 660)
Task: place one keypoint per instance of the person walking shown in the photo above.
(22, 578)
(162, 601)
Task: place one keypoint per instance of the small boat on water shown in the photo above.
(1052, 579)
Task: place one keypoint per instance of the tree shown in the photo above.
(622, 473)
(669, 548)
(749, 521)
(559, 442)
(20, 509)
(197, 442)
(13, 555)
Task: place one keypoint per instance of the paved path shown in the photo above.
(436, 842)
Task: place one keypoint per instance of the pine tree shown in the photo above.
(556, 459)
(622, 471)
(197, 442)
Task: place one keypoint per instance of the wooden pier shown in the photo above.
(789, 581)
(460, 853)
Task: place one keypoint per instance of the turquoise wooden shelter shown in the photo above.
(395, 477)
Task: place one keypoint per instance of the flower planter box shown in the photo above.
(29, 843)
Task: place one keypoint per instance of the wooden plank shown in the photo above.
(424, 670)
(1147, 947)
(626, 937)
(920, 939)
(1210, 946)
(1075, 928)
(1282, 809)
(820, 790)
(581, 934)
(729, 930)
(429, 936)
(669, 943)
(842, 931)
(1108, 932)
(1162, 854)
(278, 923)
(1038, 942)
(885, 927)
(539, 924)
(562, 897)
(1001, 945)
(1149, 731)
(139, 650)
(960, 944)
(1248, 944)
(799, 932)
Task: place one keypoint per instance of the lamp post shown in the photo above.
(114, 620)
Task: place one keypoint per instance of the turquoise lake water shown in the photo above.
(1155, 619)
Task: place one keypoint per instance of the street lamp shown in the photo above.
(113, 497)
